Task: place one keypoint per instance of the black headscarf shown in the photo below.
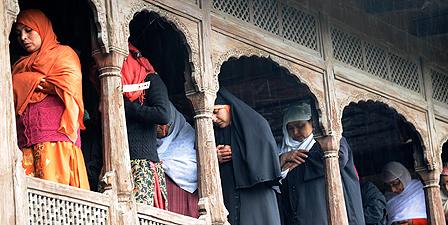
(254, 151)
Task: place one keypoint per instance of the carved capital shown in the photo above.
(203, 103)
(330, 145)
(109, 62)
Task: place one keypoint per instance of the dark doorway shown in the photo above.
(166, 48)
(377, 134)
(71, 22)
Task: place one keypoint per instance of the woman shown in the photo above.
(248, 162)
(146, 105)
(178, 154)
(405, 197)
(302, 159)
(48, 100)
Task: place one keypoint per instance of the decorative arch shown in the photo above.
(440, 143)
(248, 52)
(193, 51)
(237, 53)
(99, 15)
(428, 155)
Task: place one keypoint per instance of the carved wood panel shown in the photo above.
(276, 17)
(375, 59)
(439, 85)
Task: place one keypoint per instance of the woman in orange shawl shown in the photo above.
(48, 100)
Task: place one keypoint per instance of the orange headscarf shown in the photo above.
(134, 71)
(58, 64)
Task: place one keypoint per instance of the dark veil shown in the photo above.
(254, 150)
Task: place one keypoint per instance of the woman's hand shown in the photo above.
(291, 159)
(224, 153)
(46, 87)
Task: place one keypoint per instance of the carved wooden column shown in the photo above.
(431, 177)
(117, 165)
(336, 210)
(434, 209)
(211, 203)
(209, 180)
(13, 197)
(337, 214)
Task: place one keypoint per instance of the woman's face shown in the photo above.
(28, 38)
(299, 130)
(221, 116)
(395, 186)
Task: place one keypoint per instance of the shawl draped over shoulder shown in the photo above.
(59, 65)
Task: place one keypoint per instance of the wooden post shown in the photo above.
(203, 98)
(431, 177)
(209, 180)
(117, 164)
(13, 196)
(434, 209)
(337, 213)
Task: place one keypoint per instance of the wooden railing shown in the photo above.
(53, 203)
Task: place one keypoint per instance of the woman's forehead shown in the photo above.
(297, 123)
(20, 26)
(217, 107)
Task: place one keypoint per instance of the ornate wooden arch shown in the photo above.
(440, 143)
(247, 52)
(192, 50)
(99, 16)
(427, 153)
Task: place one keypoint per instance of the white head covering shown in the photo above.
(409, 204)
(299, 112)
(394, 170)
(178, 153)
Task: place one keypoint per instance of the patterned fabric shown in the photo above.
(60, 162)
(149, 183)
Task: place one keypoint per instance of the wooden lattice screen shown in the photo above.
(45, 208)
(275, 17)
(375, 59)
(144, 221)
(439, 86)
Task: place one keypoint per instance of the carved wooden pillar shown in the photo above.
(336, 210)
(431, 177)
(13, 197)
(434, 209)
(209, 180)
(337, 214)
(117, 165)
